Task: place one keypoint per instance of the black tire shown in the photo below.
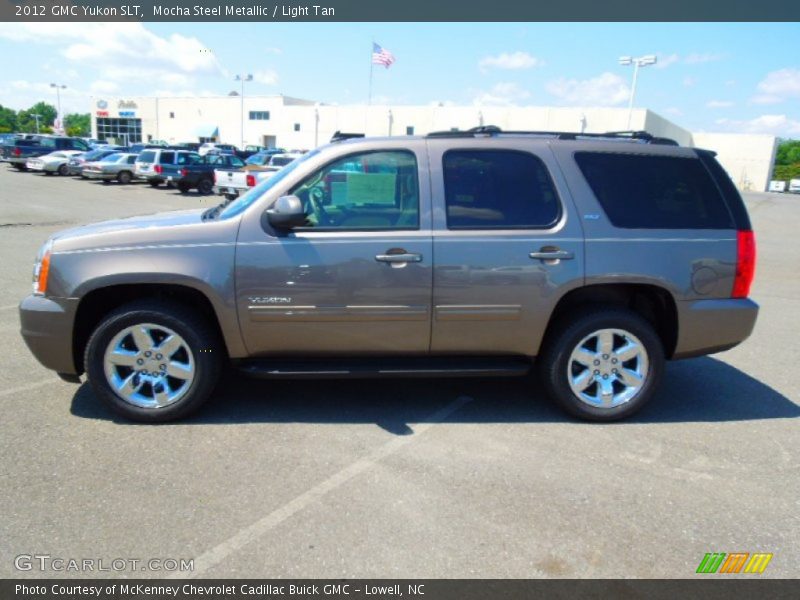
(154, 182)
(231, 197)
(184, 188)
(19, 167)
(200, 337)
(63, 170)
(125, 177)
(205, 187)
(554, 361)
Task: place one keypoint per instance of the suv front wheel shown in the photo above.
(153, 361)
(603, 365)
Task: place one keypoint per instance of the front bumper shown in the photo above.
(47, 328)
(709, 326)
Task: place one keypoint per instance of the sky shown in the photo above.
(738, 77)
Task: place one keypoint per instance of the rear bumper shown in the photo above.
(709, 326)
(46, 327)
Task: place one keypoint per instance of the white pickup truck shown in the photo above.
(232, 183)
(794, 186)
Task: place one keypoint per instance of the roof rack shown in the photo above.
(491, 130)
(341, 136)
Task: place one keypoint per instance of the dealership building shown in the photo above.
(294, 123)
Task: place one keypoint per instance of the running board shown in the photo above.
(365, 368)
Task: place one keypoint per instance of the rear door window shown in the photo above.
(147, 156)
(498, 189)
(167, 158)
(639, 191)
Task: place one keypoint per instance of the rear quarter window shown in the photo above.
(639, 191)
(167, 158)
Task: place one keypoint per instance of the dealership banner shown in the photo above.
(381, 589)
(406, 11)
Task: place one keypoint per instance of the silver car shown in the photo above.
(114, 167)
(55, 162)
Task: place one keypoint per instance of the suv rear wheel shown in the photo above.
(603, 365)
(153, 361)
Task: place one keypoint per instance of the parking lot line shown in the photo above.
(251, 533)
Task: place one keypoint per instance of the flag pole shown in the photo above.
(371, 50)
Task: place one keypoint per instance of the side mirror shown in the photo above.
(286, 213)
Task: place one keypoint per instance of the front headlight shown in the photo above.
(41, 268)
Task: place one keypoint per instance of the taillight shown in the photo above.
(745, 263)
(17, 151)
(184, 172)
(251, 181)
(158, 169)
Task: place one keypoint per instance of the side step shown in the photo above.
(364, 368)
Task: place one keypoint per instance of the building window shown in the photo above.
(454, 129)
(297, 126)
(172, 115)
(410, 130)
(259, 115)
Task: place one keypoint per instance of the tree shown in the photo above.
(8, 120)
(788, 152)
(26, 122)
(79, 125)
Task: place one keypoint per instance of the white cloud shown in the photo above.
(606, 89)
(778, 86)
(122, 52)
(500, 94)
(779, 125)
(104, 87)
(697, 59)
(509, 61)
(267, 77)
(719, 104)
(665, 60)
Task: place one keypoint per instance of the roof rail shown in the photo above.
(491, 130)
(341, 136)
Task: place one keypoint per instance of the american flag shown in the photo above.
(381, 56)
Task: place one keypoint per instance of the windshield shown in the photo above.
(240, 204)
(112, 157)
(257, 159)
(280, 161)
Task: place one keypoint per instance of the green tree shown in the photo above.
(8, 120)
(788, 152)
(79, 125)
(26, 122)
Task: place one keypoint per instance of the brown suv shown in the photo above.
(594, 257)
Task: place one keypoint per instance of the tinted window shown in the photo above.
(167, 158)
(375, 190)
(654, 192)
(498, 189)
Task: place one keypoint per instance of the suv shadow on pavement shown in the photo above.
(700, 390)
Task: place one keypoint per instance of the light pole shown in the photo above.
(244, 77)
(36, 116)
(642, 61)
(58, 100)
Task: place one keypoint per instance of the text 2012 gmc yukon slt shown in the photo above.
(594, 258)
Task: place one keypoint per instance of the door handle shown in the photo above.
(405, 257)
(552, 255)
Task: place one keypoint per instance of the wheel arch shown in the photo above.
(654, 303)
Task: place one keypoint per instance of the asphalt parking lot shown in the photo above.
(452, 478)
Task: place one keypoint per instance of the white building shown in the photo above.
(293, 123)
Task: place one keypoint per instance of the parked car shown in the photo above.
(794, 186)
(21, 150)
(232, 183)
(114, 167)
(150, 163)
(616, 253)
(261, 158)
(199, 172)
(55, 162)
(77, 161)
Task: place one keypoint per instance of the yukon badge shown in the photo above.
(269, 300)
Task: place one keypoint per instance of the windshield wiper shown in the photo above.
(213, 213)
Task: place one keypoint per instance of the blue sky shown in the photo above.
(711, 76)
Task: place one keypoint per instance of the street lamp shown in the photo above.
(36, 116)
(244, 77)
(642, 61)
(58, 100)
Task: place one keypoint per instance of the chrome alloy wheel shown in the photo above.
(149, 366)
(608, 368)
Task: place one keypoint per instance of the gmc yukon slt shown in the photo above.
(591, 258)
